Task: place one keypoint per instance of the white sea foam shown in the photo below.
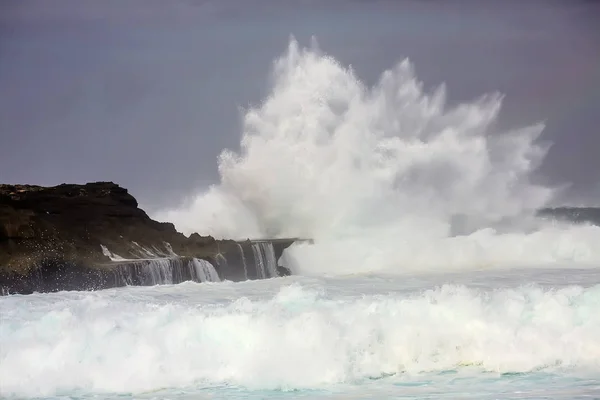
(111, 255)
(132, 340)
(383, 178)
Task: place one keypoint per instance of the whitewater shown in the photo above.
(428, 274)
(388, 178)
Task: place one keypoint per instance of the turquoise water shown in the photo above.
(450, 385)
(487, 335)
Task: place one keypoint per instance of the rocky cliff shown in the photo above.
(94, 236)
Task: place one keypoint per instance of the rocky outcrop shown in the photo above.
(94, 236)
(589, 215)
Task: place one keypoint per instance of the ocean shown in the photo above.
(510, 335)
(429, 277)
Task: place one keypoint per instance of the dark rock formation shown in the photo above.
(94, 236)
(573, 214)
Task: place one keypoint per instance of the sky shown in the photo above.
(147, 93)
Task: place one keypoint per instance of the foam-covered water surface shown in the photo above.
(303, 337)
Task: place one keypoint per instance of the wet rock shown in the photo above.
(63, 238)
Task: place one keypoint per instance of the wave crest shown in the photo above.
(297, 338)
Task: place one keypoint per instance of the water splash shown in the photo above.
(113, 257)
(383, 178)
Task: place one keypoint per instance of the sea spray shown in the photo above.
(383, 178)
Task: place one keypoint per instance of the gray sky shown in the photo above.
(146, 93)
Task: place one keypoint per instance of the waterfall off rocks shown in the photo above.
(243, 258)
(164, 271)
(264, 256)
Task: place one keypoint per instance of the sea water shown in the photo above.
(428, 275)
(482, 335)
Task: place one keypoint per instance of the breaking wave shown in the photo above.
(383, 178)
(113, 341)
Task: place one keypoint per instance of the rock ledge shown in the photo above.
(76, 236)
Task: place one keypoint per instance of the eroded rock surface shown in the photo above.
(68, 237)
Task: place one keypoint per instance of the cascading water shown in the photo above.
(149, 272)
(205, 271)
(244, 263)
(124, 275)
(269, 254)
(264, 256)
(259, 262)
(384, 178)
(165, 271)
(158, 272)
(221, 261)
